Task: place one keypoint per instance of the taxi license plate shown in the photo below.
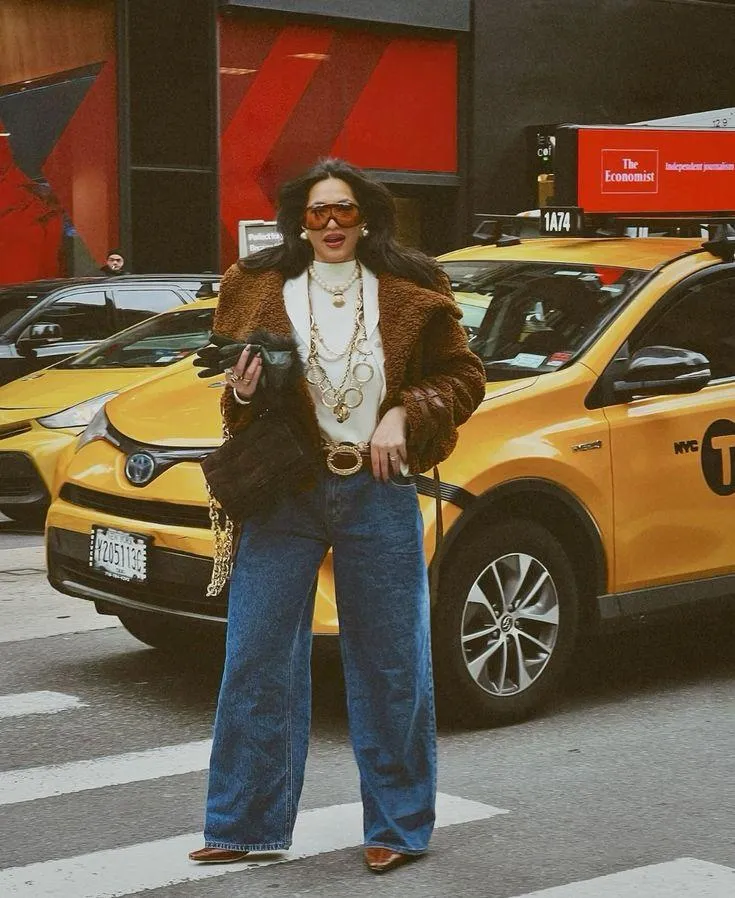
(119, 554)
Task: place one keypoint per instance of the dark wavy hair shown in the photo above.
(379, 251)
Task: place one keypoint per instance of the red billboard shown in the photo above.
(655, 170)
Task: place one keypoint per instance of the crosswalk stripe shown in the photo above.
(32, 783)
(42, 702)
(124, 871)
(681, 878)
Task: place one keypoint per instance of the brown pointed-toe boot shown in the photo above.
(381, 860)
(217, 855)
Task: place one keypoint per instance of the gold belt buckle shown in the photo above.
(344, 449)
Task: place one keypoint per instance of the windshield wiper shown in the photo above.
(507, 371)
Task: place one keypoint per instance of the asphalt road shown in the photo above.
(624, 787)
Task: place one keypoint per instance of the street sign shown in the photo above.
(255, 234)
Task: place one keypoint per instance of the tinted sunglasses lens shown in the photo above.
(316, 219)
(347, 215)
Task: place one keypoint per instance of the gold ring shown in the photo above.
(245, 380)
(392, 457)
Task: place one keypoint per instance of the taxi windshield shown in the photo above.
(153, 343)
(528, 318)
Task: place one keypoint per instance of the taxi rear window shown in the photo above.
(528, 318)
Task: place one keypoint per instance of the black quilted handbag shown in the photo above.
(269, 457)
(257, 466)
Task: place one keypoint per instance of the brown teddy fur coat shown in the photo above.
(429, 368)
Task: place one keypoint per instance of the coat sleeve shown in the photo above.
(227, 316)
(451, 387)
(230, 303)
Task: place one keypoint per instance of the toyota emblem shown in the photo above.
(140, 468)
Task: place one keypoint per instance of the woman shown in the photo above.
(388, 378)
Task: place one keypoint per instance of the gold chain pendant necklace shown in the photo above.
(348, 395)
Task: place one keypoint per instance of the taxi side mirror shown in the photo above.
(662, 371)
(39, 334)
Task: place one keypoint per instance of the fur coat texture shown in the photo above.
(429, 368)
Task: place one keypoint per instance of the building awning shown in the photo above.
(417, 14)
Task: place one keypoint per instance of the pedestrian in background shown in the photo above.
(388, 378)
(114, 263)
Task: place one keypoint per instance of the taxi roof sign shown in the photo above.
(645, 170)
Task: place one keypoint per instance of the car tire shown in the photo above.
(32, 517)
(513, 585)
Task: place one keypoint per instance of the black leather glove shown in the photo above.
(281, 365)
(222, 352)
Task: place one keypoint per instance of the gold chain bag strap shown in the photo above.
(223, 530)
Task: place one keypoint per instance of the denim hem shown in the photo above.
(256, 846)
(415, 852)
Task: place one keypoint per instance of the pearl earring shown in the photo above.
(303, 234)
(364, 231)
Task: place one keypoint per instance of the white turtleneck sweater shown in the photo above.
(336, 327)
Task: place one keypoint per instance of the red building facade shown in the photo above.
(290, 94)
(126, 122)
(58, 138)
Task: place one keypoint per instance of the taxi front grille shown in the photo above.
(19, 478)
(148, 510)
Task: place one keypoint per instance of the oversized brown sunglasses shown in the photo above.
(347, 215)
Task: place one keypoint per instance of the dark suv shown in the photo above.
(42, 322)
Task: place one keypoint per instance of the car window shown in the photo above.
(702, 320)
(537, 316)
(82, 315)
(135, 304)
(154, 343)
(15, 302)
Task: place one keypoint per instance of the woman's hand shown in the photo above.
(388, 445)
(244, 377)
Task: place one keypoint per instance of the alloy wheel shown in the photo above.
(510, 624)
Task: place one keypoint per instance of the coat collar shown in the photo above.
(405, 309)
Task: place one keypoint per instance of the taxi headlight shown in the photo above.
(80, 415)
(97, 429)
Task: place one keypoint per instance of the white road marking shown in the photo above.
(682, 878)
(23, 703)
(32, 783)
(125, 871)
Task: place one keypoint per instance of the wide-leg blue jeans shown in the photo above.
(262, 725)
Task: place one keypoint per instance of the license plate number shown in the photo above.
(119, 554)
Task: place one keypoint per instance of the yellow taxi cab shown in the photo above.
(44, 412)
(591, 489)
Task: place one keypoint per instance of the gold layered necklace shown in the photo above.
(347, 395)
(337, 291)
